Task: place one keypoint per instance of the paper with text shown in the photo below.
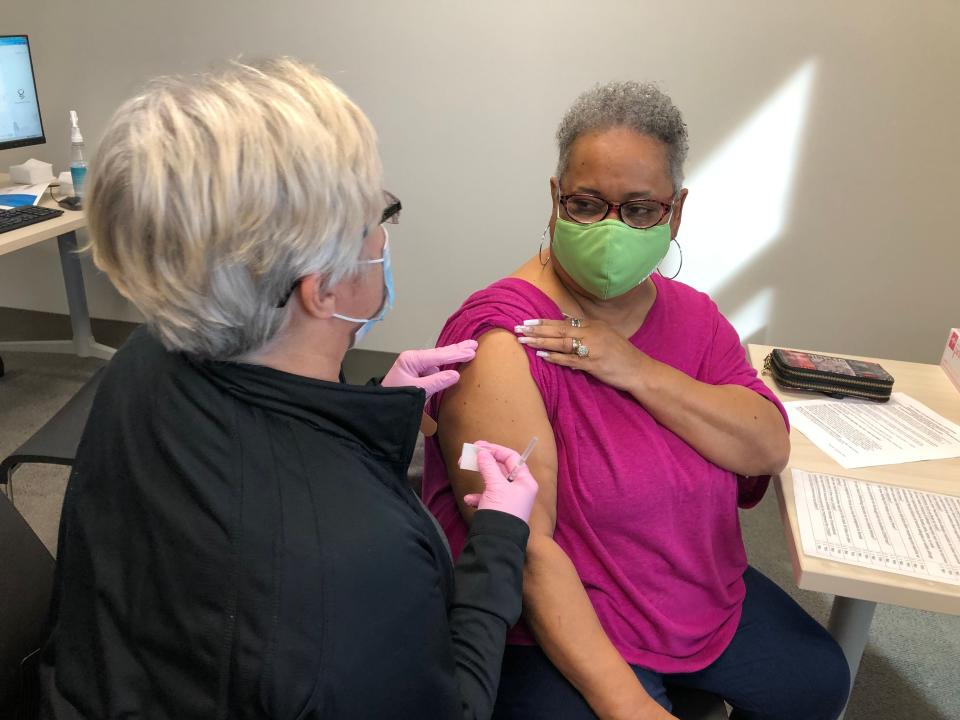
(877, 526)
(13, 196)
(861, 433)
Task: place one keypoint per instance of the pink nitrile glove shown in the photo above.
(516, 497)
(421, 368)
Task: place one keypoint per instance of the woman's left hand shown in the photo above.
(593, 347)
(421, 368)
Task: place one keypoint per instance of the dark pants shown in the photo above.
(780, 665)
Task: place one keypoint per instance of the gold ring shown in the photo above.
(579, 348)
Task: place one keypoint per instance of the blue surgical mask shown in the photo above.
(368, 323)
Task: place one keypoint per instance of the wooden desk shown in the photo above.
(64, 229)
(859, 589)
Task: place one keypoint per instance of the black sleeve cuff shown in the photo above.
(488, 575)
(505, 525)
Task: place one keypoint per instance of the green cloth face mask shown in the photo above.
(608, 258)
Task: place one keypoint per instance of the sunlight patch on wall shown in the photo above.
(752, 317)
(740, 195)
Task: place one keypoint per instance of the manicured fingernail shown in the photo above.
(519, 329)
(542, 353)
(532, 322)
(525, 340)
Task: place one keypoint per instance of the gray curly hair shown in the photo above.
(641, 107)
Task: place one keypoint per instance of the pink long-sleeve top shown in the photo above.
(650, 525)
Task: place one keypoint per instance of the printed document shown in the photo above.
(883, 527)
(16, 195)
(861, 433)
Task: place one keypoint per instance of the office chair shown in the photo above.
(26, 584)
(56, 442)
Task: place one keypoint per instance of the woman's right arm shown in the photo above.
(496, 400)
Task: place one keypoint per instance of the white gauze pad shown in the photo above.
(468, 458)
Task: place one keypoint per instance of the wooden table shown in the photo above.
(859, 589)
(64, 228)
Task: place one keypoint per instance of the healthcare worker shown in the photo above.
(238, 539)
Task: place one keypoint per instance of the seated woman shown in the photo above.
(238, 539)
(652, 430)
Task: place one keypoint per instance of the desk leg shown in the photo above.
(83, 343)
(850, 626)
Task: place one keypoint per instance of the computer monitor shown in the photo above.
(20, 122)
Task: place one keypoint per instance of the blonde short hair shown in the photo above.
(212, 194)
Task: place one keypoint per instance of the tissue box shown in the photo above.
(31, 172)
(950, 362)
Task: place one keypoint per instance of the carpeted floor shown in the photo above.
(911, 669)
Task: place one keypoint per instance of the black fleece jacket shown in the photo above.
(239, 542)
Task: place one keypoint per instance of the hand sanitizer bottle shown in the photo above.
(78, 164)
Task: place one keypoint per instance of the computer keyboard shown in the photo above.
(19, 217)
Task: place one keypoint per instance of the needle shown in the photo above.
(523, 459)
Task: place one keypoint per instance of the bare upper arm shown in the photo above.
(497, 400)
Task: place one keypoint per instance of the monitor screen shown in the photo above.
(20, 122)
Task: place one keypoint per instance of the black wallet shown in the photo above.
(834, 376)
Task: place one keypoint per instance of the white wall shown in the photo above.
(824, 167)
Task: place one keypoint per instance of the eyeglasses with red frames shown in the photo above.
(390, 216)
(587, 209)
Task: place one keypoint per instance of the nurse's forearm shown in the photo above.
(730, 425)
(559, 613)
